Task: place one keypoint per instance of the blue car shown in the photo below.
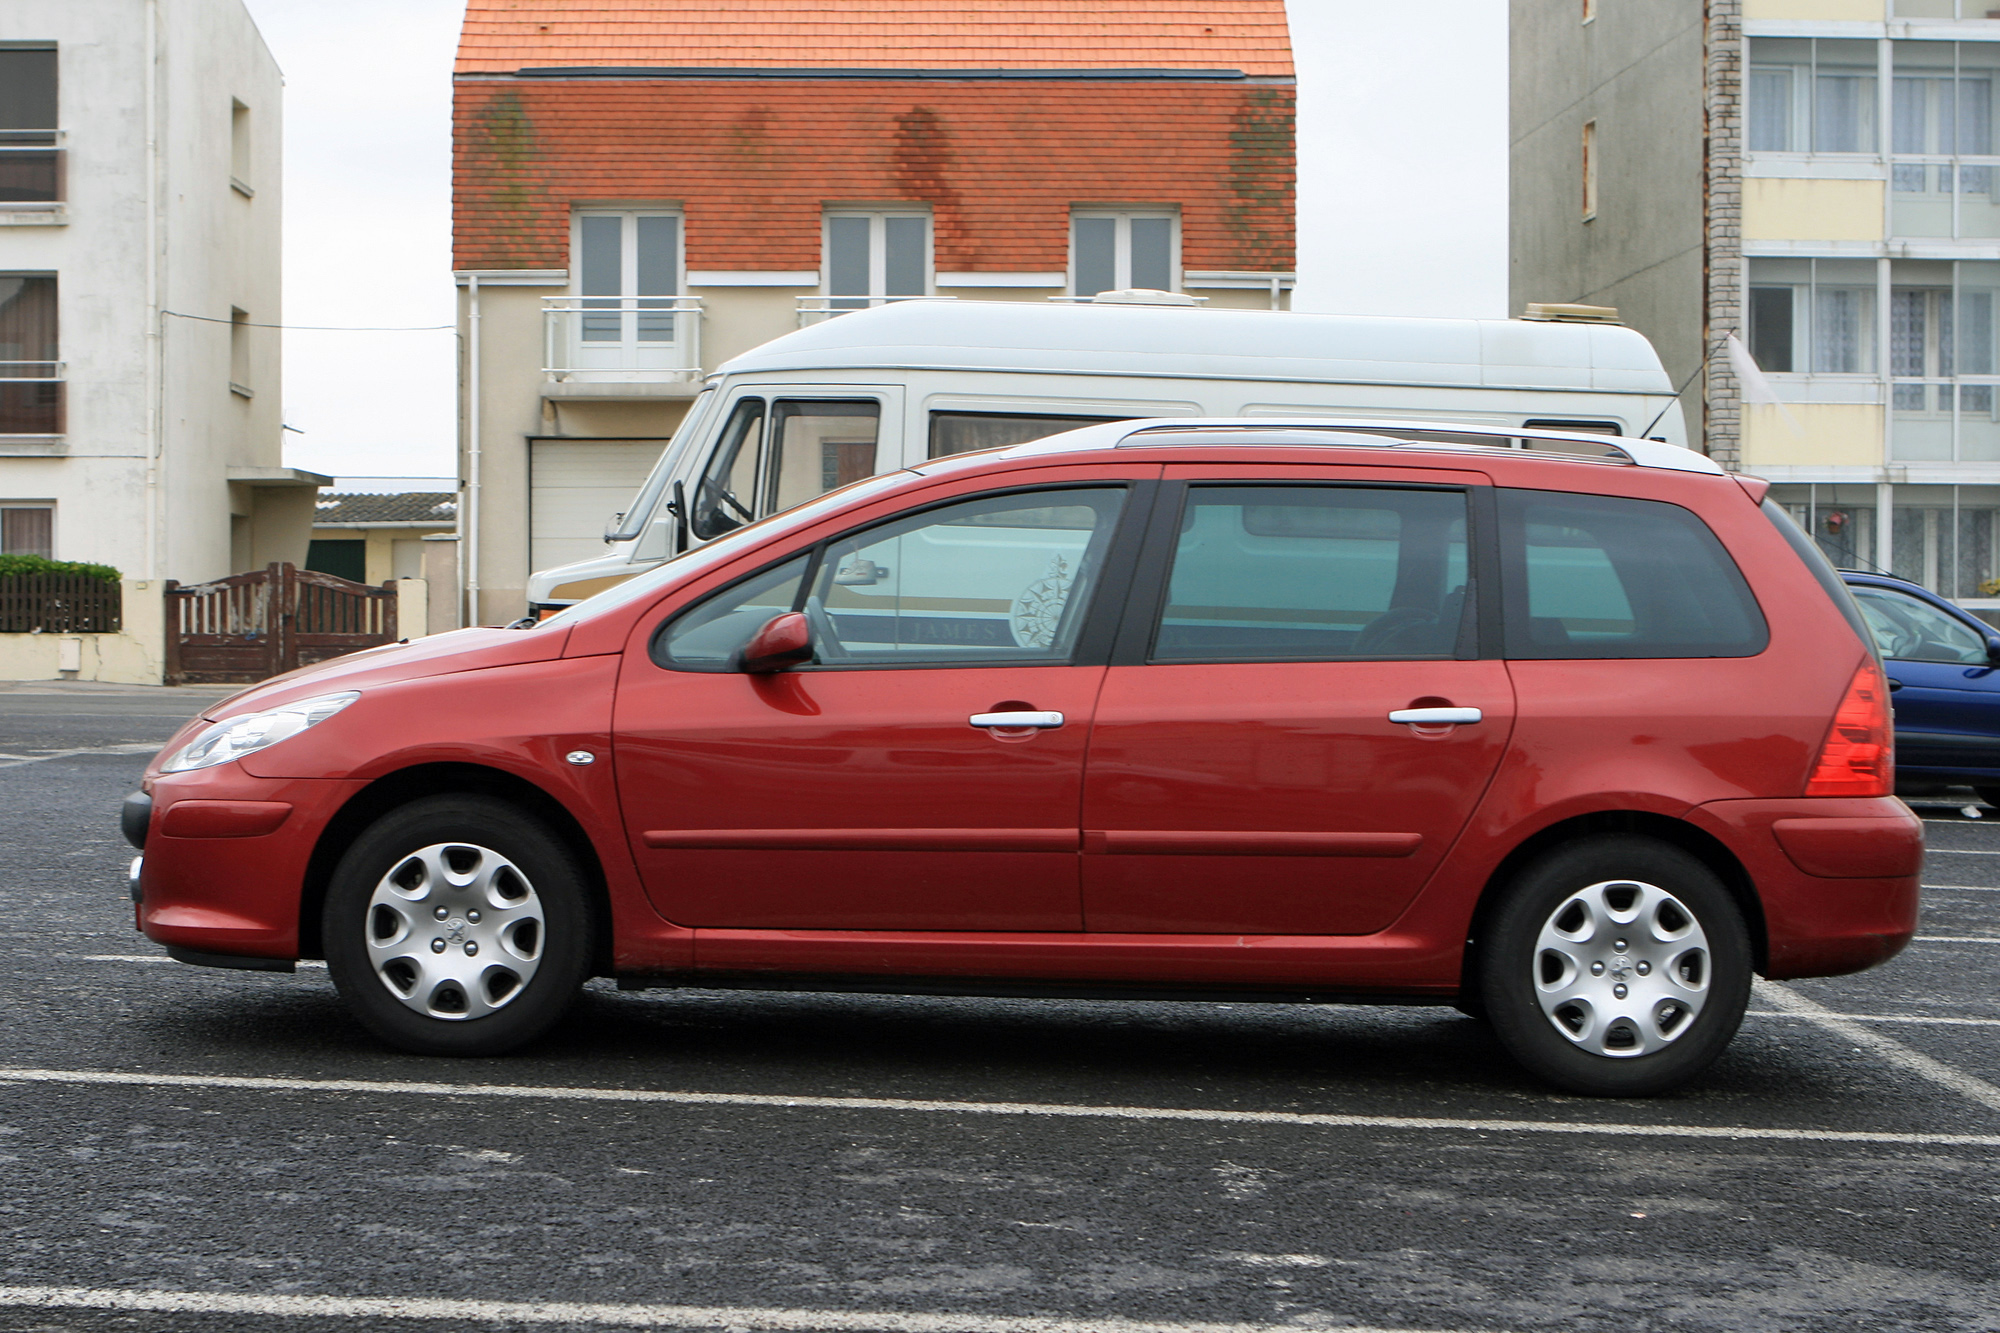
(1944, 681)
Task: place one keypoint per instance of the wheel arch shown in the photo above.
(404, 785)
(1703, 846)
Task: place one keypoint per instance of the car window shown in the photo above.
(963, 432)
(1912, 629)
(1003, 577)
(706, 636)
(1603, 576)
(1315, 573)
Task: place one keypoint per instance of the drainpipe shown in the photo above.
(156, 335)
(469, 547)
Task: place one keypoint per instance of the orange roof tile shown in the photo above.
(501, 36)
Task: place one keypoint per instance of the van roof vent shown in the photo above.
(1145, 296)
(1565, 313)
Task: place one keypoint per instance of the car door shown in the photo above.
(1296, 724)
(924, 772)
(1943, 686)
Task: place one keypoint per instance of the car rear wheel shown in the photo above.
(457, 925)
(1616, 966)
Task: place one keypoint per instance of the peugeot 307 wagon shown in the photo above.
(1575, 733)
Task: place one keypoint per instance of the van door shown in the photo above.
(778, 449)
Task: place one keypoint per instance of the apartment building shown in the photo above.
(1822, 179)
(139, 275)
(644, 189)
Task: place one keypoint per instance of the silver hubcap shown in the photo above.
(1621, 968)
(455, 931)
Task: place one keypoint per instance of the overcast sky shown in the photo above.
(1402, 197)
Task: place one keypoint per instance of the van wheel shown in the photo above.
(1616, 966)
(457, 926)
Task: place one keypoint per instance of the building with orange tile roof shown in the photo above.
(643, 189)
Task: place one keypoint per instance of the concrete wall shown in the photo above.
(1637, 71)
(135, 656)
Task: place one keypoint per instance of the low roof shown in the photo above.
(349, 508)
(501, 36)
(1079, 339)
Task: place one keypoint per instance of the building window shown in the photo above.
(239, 353)
(1944, 325)
(31, 375)
(1812, 316)
(1115, 249)
(27, 529)
(1811, 95)
(239, 148)
(1589, 10)
(626, 274)
(1589, 170)
(30, 162)
(872, 257)
(1942, 139)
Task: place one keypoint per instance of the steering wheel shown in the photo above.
(826, 643)
(1379, 635)
(710, 499)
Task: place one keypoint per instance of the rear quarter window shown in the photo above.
(1598, 576)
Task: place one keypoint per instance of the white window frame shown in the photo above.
(878, 252)
(1122, 245)
(631, 350)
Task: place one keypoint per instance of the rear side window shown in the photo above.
(963, 432)
(1598, 576)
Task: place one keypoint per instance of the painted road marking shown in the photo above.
(1053, 1110)
(135, 747)
(1958, 939)
(1961, 888)
(762, 1320)
(1882, 1018)
(1965, 1085)
(162, 958)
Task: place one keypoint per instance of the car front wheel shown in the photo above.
(457, 925)
(1616, 966)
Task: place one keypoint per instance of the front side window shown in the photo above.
(1596, 576)
(1913, 630)
(27, 530)
(30, 162)
(872, 257)
(1316, 573)
(31, 390)
(1112, 250)
(1003, 578)
(767, 462)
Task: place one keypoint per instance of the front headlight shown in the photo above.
(255, 731)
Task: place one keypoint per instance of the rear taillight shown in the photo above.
(1858, 756)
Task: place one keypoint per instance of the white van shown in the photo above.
(884, 388)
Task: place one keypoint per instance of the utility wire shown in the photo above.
(318, 328)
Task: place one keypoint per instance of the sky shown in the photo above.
(1402, 141)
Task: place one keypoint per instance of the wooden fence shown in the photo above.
(60, 604)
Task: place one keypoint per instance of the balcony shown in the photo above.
(31, 398)
(819, 309)
(31, 170)
(621, 339)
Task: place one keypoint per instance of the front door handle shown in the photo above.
(1894, 684)
(1040, 720)
(1436, 717)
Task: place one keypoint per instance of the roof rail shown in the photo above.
(1422, 434)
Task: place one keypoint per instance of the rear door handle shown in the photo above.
(1041, 720)
(1436, 717)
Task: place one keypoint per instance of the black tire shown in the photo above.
(1990, 795)
(527, 905)
(1527, 989)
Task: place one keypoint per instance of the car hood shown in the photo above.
(437, 655)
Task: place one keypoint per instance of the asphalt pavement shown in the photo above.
(186, 1148)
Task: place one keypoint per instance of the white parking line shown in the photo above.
(135, 747)
(1965, 1085)
(1053, 1110)
(1882, 1018)
(1961, 888)
(1957, 939)
(763, 1320)
(161, 958)
(1958, 851)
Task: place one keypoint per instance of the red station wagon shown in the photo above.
(1210, 709)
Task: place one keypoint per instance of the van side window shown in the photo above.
(1598, 576)
(1315, 574)
(963, 432)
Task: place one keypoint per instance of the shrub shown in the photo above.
(11, 565)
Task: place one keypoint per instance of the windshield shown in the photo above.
(724, 549)
(648, 497)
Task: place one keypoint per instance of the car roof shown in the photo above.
(1439, 436)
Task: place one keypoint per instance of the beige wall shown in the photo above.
(1785, 209)
(1828, 435)
(135, 656)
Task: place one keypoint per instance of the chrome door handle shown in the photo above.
(1041, 720)
(1436, 717)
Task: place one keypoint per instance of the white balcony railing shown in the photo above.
(621, 338)
(818, 309)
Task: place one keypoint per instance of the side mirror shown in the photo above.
(784, 641)
(1993, 652)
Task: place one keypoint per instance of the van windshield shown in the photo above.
(649, 494)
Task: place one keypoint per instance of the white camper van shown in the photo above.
(884, 388)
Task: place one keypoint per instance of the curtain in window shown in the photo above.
(1771, 110)
(1975, 133)
(27, 532)
(1908, 337)
(27, 320)
(1844, 112)
(1841, 323)
(1910, 130)
(1974, 348)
